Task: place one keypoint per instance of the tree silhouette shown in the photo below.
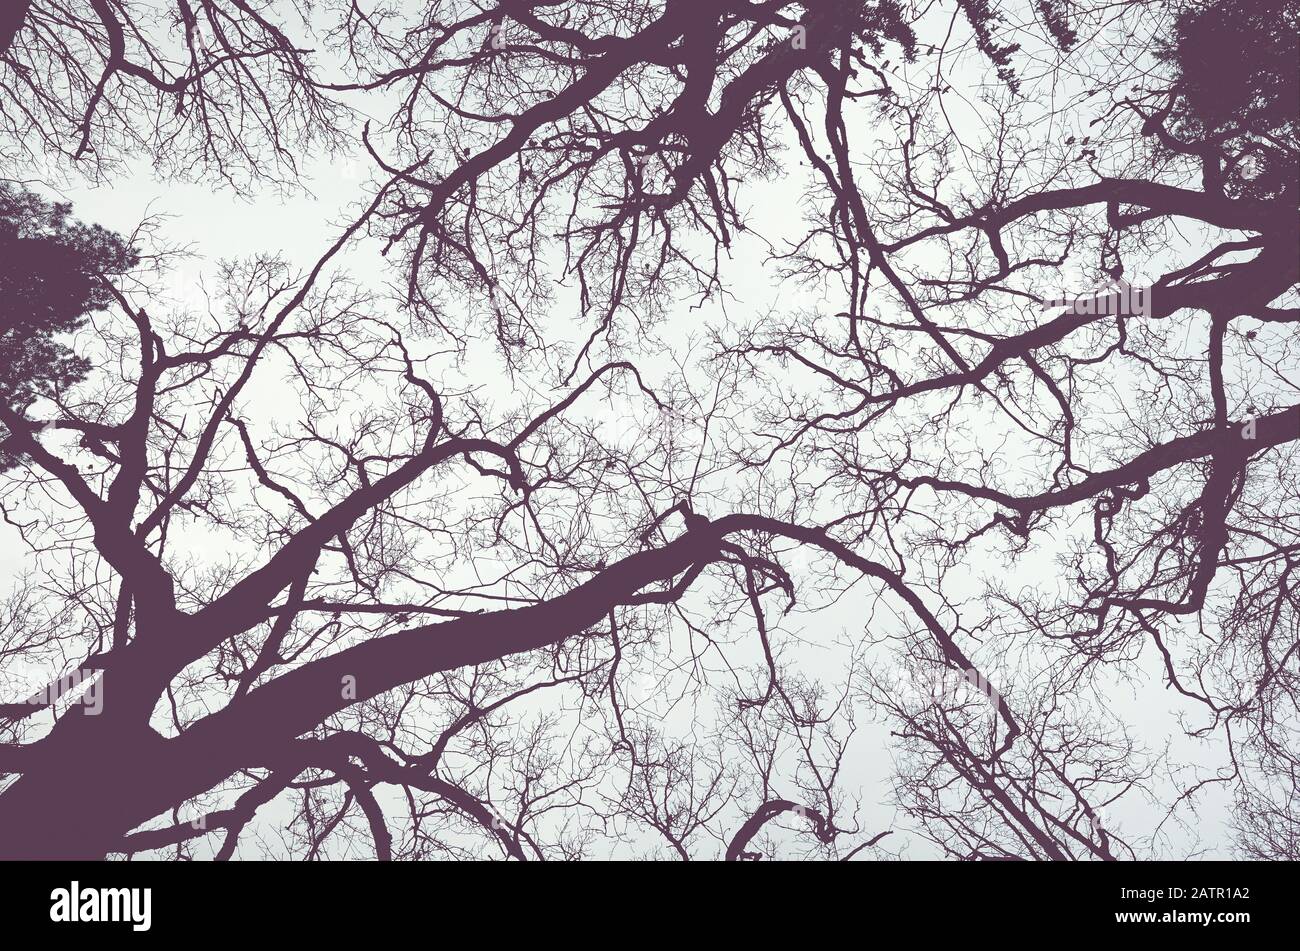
(52, 274)
(562, 548)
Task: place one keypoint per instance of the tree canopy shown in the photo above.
(53, 273)
(708, 428)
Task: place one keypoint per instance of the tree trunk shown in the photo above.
(95, 779)
(12, 15)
